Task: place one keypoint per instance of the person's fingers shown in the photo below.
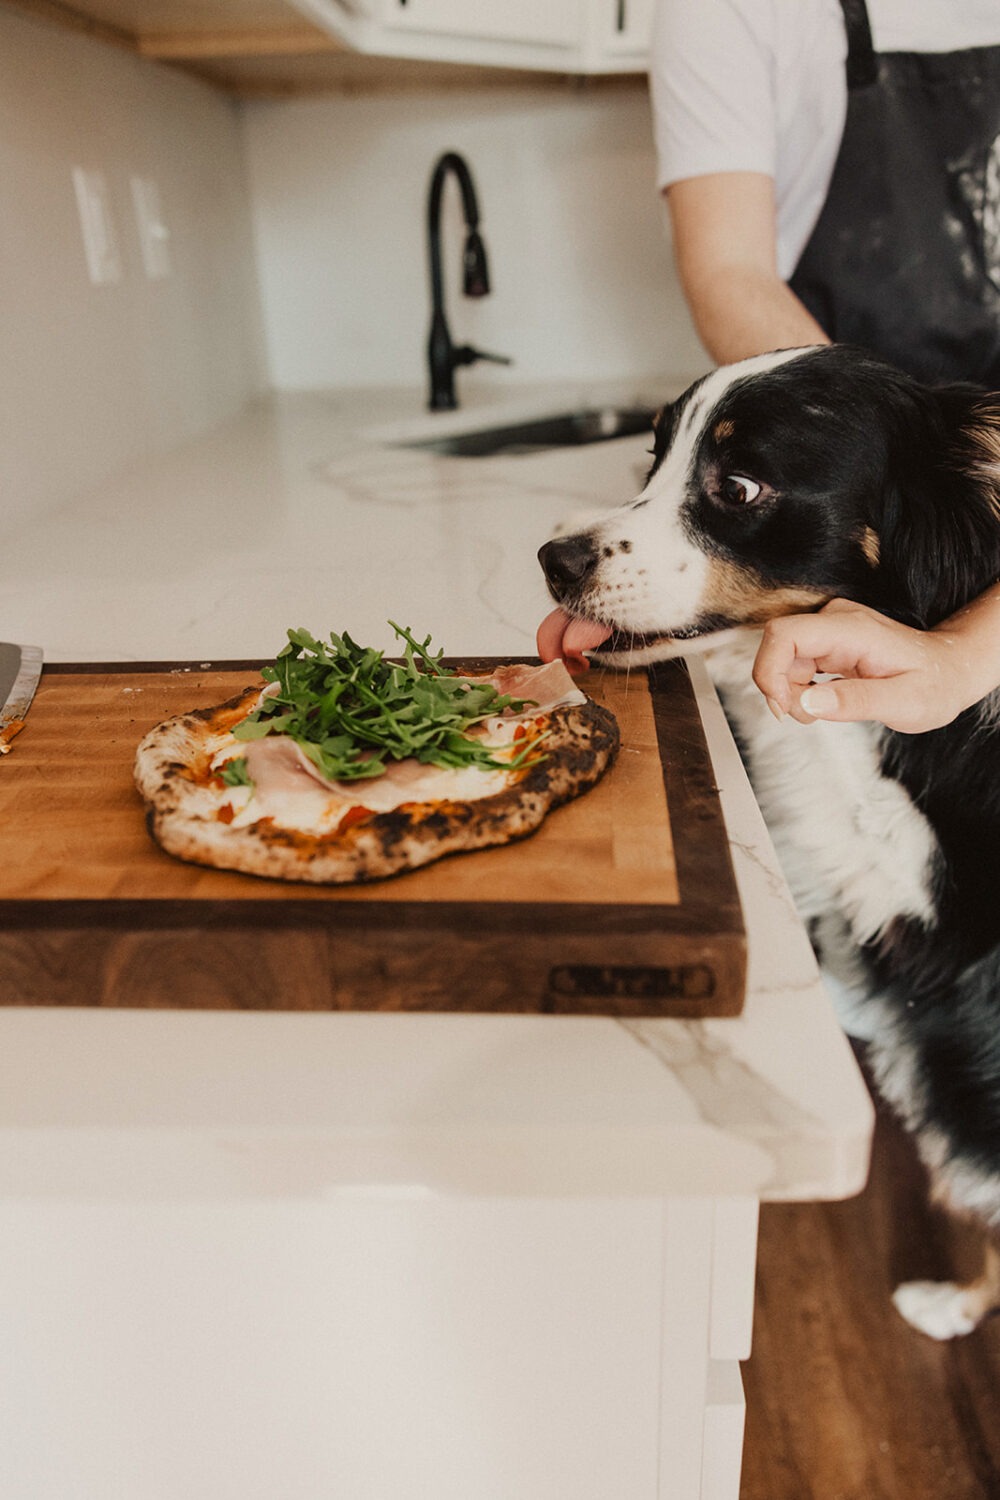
(842, 638)
(788, 657)
(899, 702)
(848, 700)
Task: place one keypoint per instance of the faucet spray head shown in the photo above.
(475, 272)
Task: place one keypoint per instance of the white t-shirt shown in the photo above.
(759, 86)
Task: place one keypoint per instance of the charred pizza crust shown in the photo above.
(173, 768)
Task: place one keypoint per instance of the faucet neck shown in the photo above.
(441, 360)
(475, 275)
(441, 353)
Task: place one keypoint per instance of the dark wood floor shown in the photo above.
(844, 1400)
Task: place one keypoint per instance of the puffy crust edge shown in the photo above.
(583, 742)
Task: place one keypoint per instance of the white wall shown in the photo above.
(95, 378)
(581, 266)
(329, 193)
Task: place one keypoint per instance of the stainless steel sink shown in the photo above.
(569, 429)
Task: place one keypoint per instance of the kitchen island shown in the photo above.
(372, 1256)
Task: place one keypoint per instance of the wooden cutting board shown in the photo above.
(623, 903)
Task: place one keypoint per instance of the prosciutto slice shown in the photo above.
(287, 782)
(547, 686)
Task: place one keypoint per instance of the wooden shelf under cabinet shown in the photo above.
(263, 48)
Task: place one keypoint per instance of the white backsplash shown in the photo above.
(580, 261)
(96, 378)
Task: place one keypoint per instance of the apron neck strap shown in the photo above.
(862, 64)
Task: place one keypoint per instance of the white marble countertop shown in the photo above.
(301, 513)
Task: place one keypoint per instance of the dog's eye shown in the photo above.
(738, 490)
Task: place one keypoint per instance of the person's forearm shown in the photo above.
(739, 312)
(724, 247)
(972, 636)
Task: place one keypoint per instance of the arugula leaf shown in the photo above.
(235, 772)
(352, 711)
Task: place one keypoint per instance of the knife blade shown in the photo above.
(20, 669)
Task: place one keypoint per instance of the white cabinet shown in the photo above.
(619, 32)
(253, 46)
(553, 24)
(572, 36)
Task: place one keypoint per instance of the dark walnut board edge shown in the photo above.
(633, 960)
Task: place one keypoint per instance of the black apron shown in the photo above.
(905, 255)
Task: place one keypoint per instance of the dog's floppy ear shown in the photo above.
(937, 520)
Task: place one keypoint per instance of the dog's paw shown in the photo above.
(937, 1308)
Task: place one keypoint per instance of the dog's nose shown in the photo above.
(567, 560)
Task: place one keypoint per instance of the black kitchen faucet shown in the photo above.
(442, 354)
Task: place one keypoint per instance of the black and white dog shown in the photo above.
(777, 484)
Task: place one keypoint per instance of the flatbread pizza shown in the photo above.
(345, 766)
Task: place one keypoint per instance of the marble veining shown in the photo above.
(731, 1097)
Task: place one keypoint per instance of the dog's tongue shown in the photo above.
(564, 635)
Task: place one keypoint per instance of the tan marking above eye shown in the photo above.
(870, 546)
(741, 595)
(724, 429)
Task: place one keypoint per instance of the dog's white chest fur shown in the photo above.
(855, 850)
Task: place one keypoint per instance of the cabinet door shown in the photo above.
(626, 26)
(550, 23)
(573, 36)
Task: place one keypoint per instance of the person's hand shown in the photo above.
(910, 680)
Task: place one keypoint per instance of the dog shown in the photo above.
(777, 484)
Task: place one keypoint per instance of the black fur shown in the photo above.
(875, 488)
(844, 442)
(841, 442)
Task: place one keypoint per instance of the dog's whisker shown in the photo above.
(628, 667)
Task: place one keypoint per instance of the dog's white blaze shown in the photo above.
(659, 583)
(711, 390)
(673, 474)
(665, 589)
